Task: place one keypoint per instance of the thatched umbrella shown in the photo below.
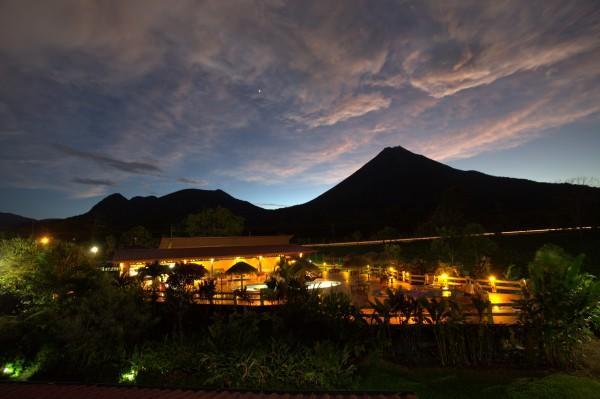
(188, 272)
(241, 268)
(302, 266)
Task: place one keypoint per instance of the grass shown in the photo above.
(433, 383)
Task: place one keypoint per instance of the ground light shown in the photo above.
(45, 240)
(12, 370)
(129, 376)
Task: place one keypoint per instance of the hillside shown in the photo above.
(397, 188)
(9, 221)
(409, 192)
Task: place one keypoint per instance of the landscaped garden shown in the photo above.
(64, 319)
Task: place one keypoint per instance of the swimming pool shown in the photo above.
(311, 285)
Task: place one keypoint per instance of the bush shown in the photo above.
(558, 307)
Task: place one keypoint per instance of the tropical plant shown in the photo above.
(181, 289)
(558, 307)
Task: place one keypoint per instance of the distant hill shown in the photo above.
(9, 221)
(397, 188)
(116, 214)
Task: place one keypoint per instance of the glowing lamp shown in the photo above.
(94, 250)
(45, 240)
(493, 283)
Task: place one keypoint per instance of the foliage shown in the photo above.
(137, 237)
(558, 306)
(18, 259)
(75, 321)
(214, 222)
(466, 248)
(555, 386)
(230, 355)
(386, 233)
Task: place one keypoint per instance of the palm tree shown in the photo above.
(154, 271)
(180, 291)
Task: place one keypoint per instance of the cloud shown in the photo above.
(104, 160)
(485, 43)
(195, 182)
(93, 182)
(351, 107)
(153, 91)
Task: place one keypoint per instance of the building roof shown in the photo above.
(156, 254)
(231, 241)
(80, 391)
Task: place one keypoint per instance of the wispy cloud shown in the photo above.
(93, 182)
(135, 167)
(350, 107)
(195, 182)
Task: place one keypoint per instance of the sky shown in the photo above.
(275, 102)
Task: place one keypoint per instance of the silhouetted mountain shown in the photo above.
(9, 221)
(397, 188)
(407, 191)
(115, 213)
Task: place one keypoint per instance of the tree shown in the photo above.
(559, 304)
(181, 289)
(387, 233)
(475, 250)
(214, 222)
(137, 237)
(18, 258)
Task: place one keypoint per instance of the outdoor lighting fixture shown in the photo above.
(493, 283)
(129, 376)
(45, 240)
(301, 254)
(446, 293)
(94, 250)
(443, 279)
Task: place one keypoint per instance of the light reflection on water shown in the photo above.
(312, 285)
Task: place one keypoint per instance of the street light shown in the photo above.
(94, 250)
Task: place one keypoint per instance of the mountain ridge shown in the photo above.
(397, 188)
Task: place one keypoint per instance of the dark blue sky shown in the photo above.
(275, 102)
